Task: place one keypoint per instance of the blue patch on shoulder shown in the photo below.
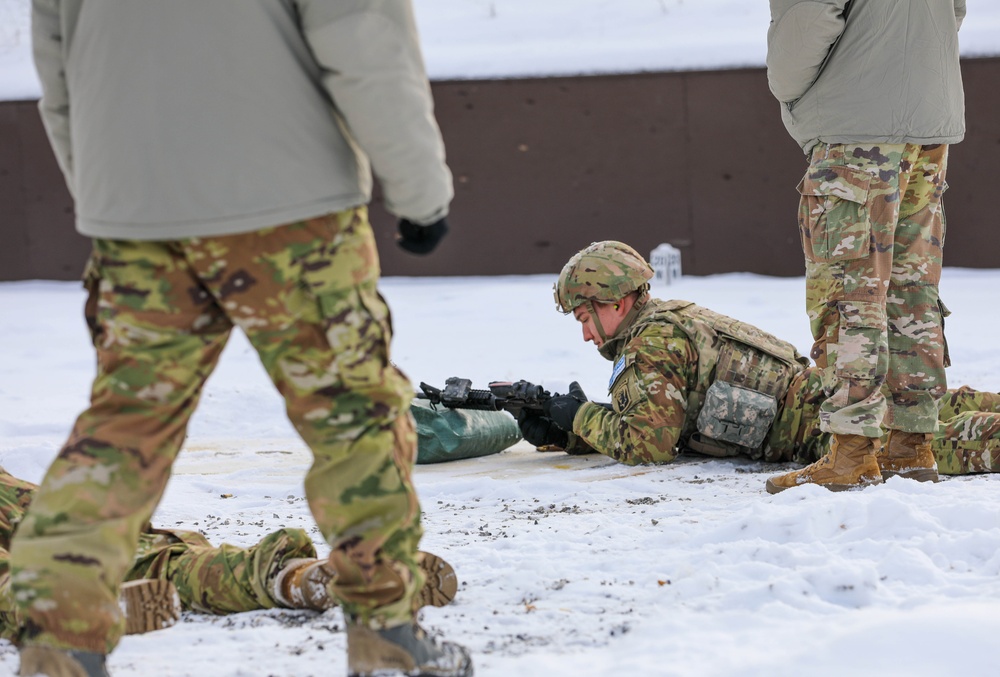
(617, 371)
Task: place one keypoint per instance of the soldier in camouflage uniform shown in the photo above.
(282, 570)
(221, 156)
(686, 378)
(872, 92)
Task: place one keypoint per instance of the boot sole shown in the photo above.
(440, 584)
(149, 604)
(773, 488)
(920, 475)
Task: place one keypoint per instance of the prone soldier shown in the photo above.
(686, 378)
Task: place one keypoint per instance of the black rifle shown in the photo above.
(513, 397)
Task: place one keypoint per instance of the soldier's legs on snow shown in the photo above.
(968, 439)
(848, 212)
(219, 579)
(917, 352)
(157, 339)
(872, 228)
(847, 218)
(281, 570)
(311, 309)
(305, 294)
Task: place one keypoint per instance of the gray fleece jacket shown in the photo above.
(183, 118)
(863, 71)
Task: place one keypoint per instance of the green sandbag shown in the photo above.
(445, 434)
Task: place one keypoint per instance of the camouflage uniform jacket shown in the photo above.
(686, 377)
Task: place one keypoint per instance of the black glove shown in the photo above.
(541, 431)
(562, 408)
(418, 239)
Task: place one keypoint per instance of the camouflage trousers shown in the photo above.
(217, 580)
(222, 579)
(873, 226)
(967, 439)
(160, 313)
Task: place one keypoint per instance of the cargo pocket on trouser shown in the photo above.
(339, 276)
(834, 218)
(341, 388)
(862, 341)
(860, 360)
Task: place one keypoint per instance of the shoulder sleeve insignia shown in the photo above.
(617, 371)
(622, 399)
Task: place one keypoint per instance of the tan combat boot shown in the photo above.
(303, 583)
(849, 464)
(50, 662)
(149, 604)
(404, 649)
(908, 455)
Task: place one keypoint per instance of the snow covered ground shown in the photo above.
(528, 38)
(572, 566)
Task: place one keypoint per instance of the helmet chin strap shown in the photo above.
(634, 310)
(597, 321)
(626, 321)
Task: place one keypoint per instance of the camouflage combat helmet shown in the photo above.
(604, 271)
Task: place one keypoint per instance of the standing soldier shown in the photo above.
(872, 92)
(686, 378)
(220, 155)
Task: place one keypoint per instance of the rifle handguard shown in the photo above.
(459, 394)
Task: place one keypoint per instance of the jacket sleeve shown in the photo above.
(649, 400)
(47, 47)
(372, 67)
(800, 38)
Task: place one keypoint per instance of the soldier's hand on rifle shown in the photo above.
(541, 431)
(562, 408)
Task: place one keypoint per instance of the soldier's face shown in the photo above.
(609, 316)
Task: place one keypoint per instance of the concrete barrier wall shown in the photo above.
(543, 167)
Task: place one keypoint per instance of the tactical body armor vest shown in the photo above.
(742, 376)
